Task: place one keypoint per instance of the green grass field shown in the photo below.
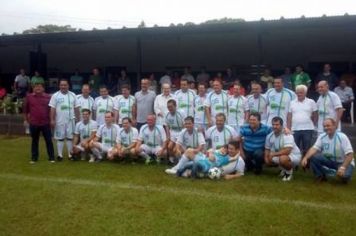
(78, 198)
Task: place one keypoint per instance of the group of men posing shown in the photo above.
(197, 131)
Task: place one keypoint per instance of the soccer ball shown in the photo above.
(214, 173)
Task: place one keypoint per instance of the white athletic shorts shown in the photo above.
(154, 150)
(294, 158)
(174, 135)
(104, 148)
(64, 131)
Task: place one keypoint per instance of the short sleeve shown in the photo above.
(77, 127)
(317, 145)
(52, 102)
(201, 138)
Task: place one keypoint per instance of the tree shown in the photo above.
(189, 24)
(222, 20)
(142, 25)
(49, 29)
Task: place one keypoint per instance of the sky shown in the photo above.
(19, 15)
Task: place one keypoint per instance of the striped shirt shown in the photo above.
(254, 140)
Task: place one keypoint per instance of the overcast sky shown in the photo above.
(18, 15)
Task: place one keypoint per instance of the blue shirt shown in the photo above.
(254, 140)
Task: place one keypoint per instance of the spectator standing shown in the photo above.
(346, 95)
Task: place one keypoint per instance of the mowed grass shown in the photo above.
(78, 198)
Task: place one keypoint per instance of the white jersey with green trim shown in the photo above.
(124, 106)
(174, 121)
(101, 106)
(258, 105)
(220, 138)
(152, 137)
(327, 105)
(85, 102)
(199, 110)
(185, 102)
(237, 106)
(126, 138)
(64, 103)
(85, 130)
(108, 134)
(277, 142)
(278, 103)
(217, 103)
(335, 148)
(190, 140)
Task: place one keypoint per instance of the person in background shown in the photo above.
(300, 77)
(346, 95)
(166, 78)
(123, 80)
(37, 78)
(36, 113)
(95, 80)
(175, 82)
(22, 84)
(76, 82)
(328, 76)
(203, 77)
(267, 79)
(153, 83)
(287, 78)
(228, 79)
(188, 75)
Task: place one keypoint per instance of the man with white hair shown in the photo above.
(329, 106)
(160, 104)
(302, 118)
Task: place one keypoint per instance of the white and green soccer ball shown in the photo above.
(214, 173)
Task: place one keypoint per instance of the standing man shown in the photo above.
(85, 131)
(332, 153)
(95, 80)
(22, 84)
(203, 77)
(37, 78)
(76, 82)
(278, 101)
(160, 103)
(123, 80)
(253, 137)
(287, 78)
(152, 140)
(237, 109)
(328, 76)
(346, 96)
(188, 75)
(85, 100)
(124, 106)
(257, 102)
(64, 113)
(144, 103)
(267, 79)
(329, 106)
(36, 113)
(281, 149)
(220, 134)
(200, 120)
(300, 77)
(216, 102)
(302, 118)
(185, 98)
(102, 105)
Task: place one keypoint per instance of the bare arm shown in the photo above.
(339, 112)
(52, 116)
(311, 152)
(289, 120)
(208, 116)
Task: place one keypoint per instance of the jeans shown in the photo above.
(303, 139)
(35, 132)
(254, 160)
(318, 161)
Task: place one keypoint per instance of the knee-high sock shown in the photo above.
(60, 145)
(144, 155)
(69, 147)
(183, 160)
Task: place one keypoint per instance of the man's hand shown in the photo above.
(341, 171)
(304, 162)
(53, 124)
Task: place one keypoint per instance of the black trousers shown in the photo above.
(35, 132)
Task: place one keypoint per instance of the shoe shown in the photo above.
(98, 160)
(83, 158)
(287, 177)
(92, 159)
(158, 161)
(72, 158)
(52, 161)
(282, 173)
(148, 161)
(32, 162)
(59, 158)
(171, 171)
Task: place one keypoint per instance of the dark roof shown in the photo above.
(261, 25)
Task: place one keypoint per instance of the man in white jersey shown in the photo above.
(188, 138)
(102, 104)
(160, 104)
(126, 141)
(331, 155)
(257, 102)
(152, 140)
(85, 131)
(185, 98)
(85, 100)
(124, 105)
(329, 106)
(64, 112)
(174, 123)
(220, 134)
(105, 138)
(281, 150)
(237, 109)
(200, 120)
(278, 101)
(215, 102)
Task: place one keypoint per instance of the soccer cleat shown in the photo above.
(171, 171)
(52, 161)
(59, 158)
(92, 159)
(287, 177)
(148, 161)
(32, 162)
(282, 173)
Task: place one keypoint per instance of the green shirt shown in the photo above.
(301, 78)
(95, 81)
(37, 80)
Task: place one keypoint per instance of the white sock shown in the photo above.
(69, 147)
(96, 153)
(289, 172)
(183, 160)
(60, 145)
